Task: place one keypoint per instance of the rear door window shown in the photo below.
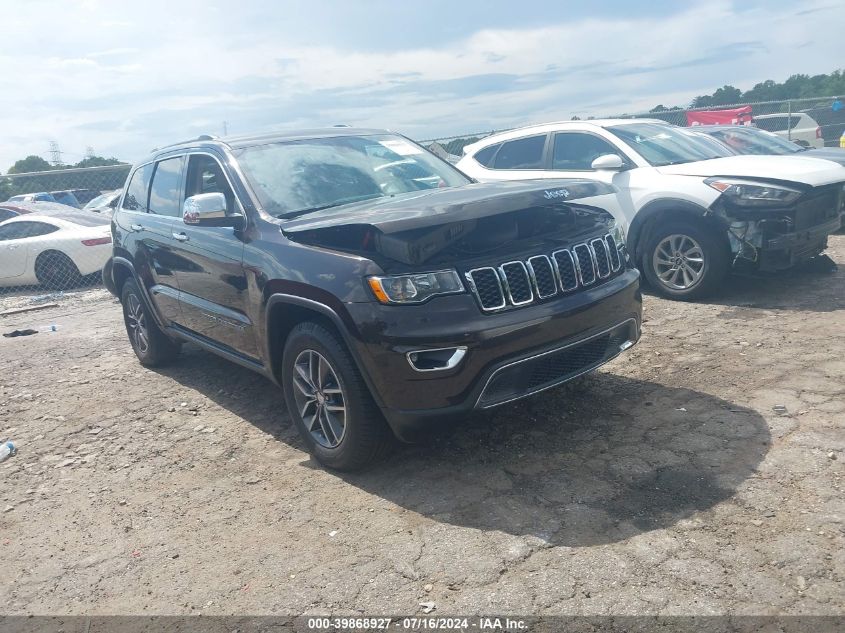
(522, 153)
(578, 150)
(138, 191)
(166, 190)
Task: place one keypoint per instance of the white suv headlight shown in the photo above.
(415, 288)
(754, 194)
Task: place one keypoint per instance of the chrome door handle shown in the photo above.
(136, 227)
(180, 237)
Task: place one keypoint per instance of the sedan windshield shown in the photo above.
(292, 178)
(667, 145)
(100, 201)
(744, 140)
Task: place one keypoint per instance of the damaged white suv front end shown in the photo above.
(692, 210)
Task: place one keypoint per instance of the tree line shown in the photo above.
(36, 163)
(796, 87)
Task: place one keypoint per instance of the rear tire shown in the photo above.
(56, 271)
(152, 347)
(329, 400)
(685, 260)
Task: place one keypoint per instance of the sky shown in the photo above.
(125, 77)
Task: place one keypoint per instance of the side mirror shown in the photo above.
(209, 209)
(610, 162)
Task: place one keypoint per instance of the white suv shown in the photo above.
(799, 128)
(692, 210)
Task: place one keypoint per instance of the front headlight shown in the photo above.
(415, 288)
(754, 194)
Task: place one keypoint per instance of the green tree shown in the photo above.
(29, 164)
(5, 188)
(727, 95)
(98, 161)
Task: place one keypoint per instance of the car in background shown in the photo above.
(105, 203)
(84, 196)
(5, 214)
(692, 208)
(797, 127)
(61, 197)
(66, 197)
(745, 139)
(56, 249)
(41, 196)
(10, 209)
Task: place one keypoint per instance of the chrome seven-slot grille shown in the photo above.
(518, 283)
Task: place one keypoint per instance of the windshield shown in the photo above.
(292, 178)
(753, 141)
(100, 201)
(667, 145)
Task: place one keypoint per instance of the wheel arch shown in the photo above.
(283, 312)
(122, 270)
(665, 208)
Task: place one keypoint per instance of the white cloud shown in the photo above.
(127, 77)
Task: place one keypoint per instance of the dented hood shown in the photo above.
(800, 169)
(393, 214)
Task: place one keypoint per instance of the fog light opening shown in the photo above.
(436, 359)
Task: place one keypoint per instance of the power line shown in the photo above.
(55, 154)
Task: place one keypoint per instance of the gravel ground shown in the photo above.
(701, 473)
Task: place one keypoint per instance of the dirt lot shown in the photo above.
(670, 482)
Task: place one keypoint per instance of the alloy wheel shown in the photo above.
(136, 321)
(678, 262)
(319, 398)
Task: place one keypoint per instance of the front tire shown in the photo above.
(329, 400)
(152, 347)
(685, 261)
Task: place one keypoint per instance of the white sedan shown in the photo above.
(55, 249)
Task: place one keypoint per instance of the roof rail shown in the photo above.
(201, 137)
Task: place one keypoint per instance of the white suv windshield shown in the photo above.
(666, 145)
(293, 178)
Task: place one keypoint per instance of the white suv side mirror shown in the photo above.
(610, 162)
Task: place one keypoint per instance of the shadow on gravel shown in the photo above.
(595, 463)
(811, 286)
(598, 462)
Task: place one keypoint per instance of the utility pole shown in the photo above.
(89, 152)
(225, 128)
(55, 154)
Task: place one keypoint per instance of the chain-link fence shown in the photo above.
(54, 231)
(54, 225)
(815, 122)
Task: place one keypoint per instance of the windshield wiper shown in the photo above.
(337, 203)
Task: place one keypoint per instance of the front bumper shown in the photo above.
(509, 355)
(784, 250)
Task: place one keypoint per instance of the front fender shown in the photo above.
(638, 231)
